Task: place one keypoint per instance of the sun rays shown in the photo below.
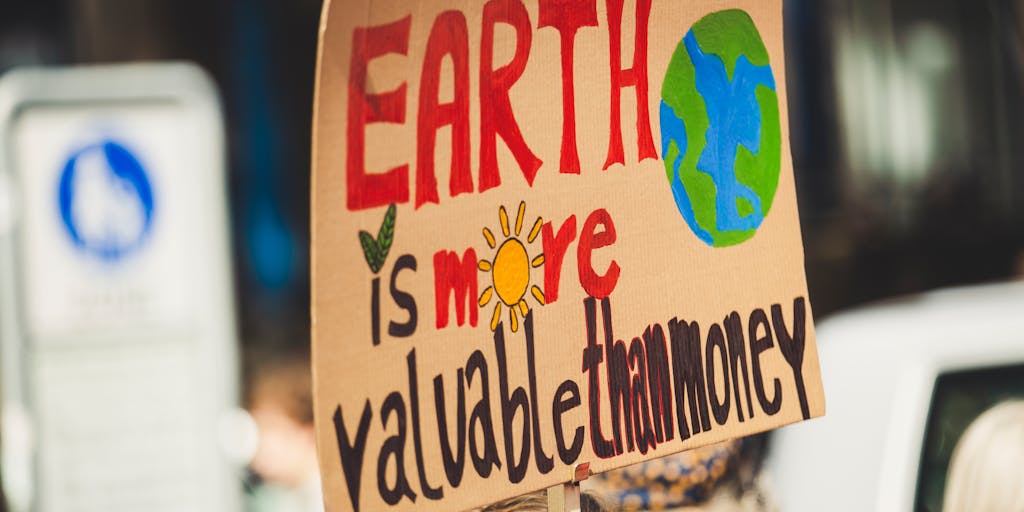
(510, 269)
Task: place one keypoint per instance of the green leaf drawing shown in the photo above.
(376, 250)
(370, 251)
(386, 235)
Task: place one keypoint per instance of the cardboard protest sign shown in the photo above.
(546, 233)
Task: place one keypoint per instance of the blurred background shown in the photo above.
(927, 198)
(907, 128)
(262, 56)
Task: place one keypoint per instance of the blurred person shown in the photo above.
(722, 477)
(985, 473)
(280, 401)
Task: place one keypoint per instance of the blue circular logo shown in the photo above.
(106, 202)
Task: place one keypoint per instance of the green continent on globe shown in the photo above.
(720, 132)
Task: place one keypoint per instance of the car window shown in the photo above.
(958, 399)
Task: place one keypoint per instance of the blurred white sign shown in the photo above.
(115, 291)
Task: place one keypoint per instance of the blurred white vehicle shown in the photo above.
(903, 379)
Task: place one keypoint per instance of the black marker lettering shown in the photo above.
(793, 346)
(403, 299)
(393, 448)
(453, 466)
(351, 453)
(432, 493)
(758, 344)
(561, 406)
(642, 429)
(688, 376)
(509, 406)
(592, 358)
(545, 463)
(720, 410)
(659, 383)
(480, 421)
(738, 361)
(375, 311)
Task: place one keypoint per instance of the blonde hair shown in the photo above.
(987, 469)
(538, 502)
(533, 502)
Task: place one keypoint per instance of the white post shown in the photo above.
(565, 497)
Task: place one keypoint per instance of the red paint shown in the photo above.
(635, 76)
(554, 247)
(449, 39)
(568, 16)
(597, 286)
(367, 190)
(496, 116)
(455, 278)
(449, 36)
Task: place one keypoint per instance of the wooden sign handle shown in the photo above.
(565, 497)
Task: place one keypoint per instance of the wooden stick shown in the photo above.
(565, 497)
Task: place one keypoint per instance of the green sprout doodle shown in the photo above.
(376, 250)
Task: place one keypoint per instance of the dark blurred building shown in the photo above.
(262, 56)
(906, 124)
(906, 129)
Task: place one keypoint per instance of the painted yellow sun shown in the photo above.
(510, 270)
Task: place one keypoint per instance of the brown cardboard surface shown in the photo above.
(668, 279)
